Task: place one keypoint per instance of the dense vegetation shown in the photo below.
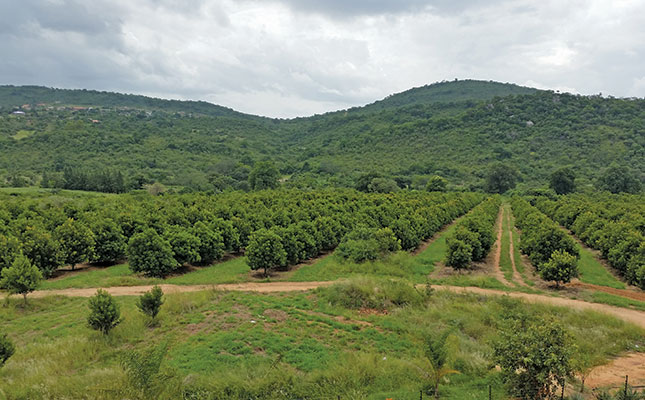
(160, 234)
(411, 136)
(474, 236)
(551, 250)
(613, 224)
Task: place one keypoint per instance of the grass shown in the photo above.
(416, 268)
(612, 300)
(517, 255)
(592, 271)
(505, 258)
(230, 271)
(243, 345)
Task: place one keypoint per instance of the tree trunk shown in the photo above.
(436, 390)
(582, 380)
(73, 266)
(24, 296)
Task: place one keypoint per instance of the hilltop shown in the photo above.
(453, 129)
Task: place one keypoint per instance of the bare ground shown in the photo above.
(613, 374)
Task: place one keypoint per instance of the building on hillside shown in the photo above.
(18, 112)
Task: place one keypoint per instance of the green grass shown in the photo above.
(505, 258)
(612, 300)
(230, 271)
(254, 345)
(118, 275)
(416, 268)
(592, 271)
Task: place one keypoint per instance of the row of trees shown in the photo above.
(473, 237)
(613, 224)
(551, 250)
(160, 234)
(361, 233)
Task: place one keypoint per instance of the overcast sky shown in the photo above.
(287, 58)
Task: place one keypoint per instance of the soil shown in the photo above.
(613, 374)
(630, 294)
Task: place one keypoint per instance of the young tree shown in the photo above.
(560, 268)
(437, 354)
(104, 312)
(265, 251)
(151, 254)
(22, 277)
(150, 302)
(535, 357)
(76, 241)
(563, 181)
(264, 176)
(7, 349)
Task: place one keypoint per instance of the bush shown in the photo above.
(7, 349)
(374, 294)
(21, 278)
(150, 302)
(363, 244)
(560, 268)
(104, 312)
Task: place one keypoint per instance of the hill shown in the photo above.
(450, 92)
(14, 97)
(445, 129)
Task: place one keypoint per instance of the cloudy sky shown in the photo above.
(289, 58)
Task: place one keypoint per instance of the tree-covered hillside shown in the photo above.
(452, 129)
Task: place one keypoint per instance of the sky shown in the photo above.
(287, 58)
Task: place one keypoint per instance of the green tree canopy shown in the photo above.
(151, 254)
(264, 175)
(618, 179)
(265, 251)
(22, 277)
(500, 178)
(76, 242)
(437, 183)
(563, 181)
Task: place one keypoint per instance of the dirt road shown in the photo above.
(633, 316)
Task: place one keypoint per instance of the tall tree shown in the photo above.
(563, 181)
(500, 178)
(264, 176)
(618, 179)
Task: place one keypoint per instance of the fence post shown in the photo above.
(420, 394)
(490, 392)
(563, 384)
(626, 379)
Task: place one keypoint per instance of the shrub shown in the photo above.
(375, 294)
(7, 349)
(150, 302)
(560, 268)
(104, 312)
(363, 244)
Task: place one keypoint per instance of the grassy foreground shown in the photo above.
(281, 346)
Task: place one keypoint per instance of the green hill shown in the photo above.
(12, 97)
(453, 129)
(449, 92)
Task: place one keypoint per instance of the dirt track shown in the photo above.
(633, 316)
(497, 270)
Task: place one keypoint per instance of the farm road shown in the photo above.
(633, 316)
